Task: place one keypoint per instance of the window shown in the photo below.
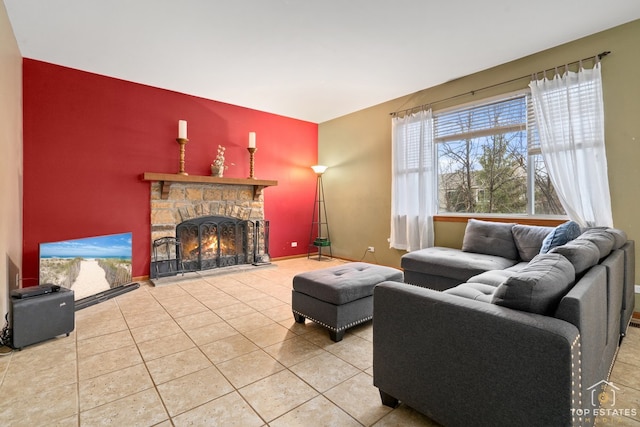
(489, 160)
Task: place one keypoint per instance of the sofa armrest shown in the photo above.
(456, 359)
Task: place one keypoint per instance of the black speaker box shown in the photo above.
(39, 318)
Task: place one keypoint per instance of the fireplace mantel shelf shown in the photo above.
(166, 179)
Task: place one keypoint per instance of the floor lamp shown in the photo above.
(319, 222)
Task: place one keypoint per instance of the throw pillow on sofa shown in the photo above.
(538, 287)
(583, 254)
(528, 239)
(560, 235)
(601, 238)
(491, 238)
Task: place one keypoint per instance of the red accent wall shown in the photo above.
(88, 139)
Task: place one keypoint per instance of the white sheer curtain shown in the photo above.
(413, 183)
(570, 118)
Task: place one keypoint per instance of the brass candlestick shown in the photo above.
(252, 150)
(182, 142)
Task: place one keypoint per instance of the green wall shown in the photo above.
(357, 147)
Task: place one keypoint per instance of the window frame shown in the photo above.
(533, 149)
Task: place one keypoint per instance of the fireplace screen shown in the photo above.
(215, 242)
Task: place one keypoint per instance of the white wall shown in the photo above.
(10, 159)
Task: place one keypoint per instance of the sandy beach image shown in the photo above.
(91, 279)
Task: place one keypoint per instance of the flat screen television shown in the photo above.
(88, 266)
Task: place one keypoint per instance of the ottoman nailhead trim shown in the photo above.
(357, 322)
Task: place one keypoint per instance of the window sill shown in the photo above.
(547, 221)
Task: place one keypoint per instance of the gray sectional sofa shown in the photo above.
(508, 335)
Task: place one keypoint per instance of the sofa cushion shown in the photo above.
(492, 278)
(602, 239)
(474, 291)
(583, 254)
(539, 287)
(528, 239)
(452, 263)
(560, 235)
(491, 238)
(619, 236)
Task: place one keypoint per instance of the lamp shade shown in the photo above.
(319, 169)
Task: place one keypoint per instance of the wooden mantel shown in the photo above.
(166, 179)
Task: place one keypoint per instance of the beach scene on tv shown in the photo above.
(88, 266)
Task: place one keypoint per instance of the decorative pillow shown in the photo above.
(602, 239)
(560, 235)
(583, 254)
(491, 238)
(538, 287)
(528, 239)
(619, 236)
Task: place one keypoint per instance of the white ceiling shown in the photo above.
(308, 59)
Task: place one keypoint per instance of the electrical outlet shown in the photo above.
(294, 244)
(371, 249)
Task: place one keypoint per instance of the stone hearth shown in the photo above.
(187, 201)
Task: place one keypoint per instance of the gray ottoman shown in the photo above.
(339, 297)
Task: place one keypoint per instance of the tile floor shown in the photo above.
(217, 351)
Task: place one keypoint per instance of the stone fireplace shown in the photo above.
(214, 224)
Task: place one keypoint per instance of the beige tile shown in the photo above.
(263, 303)
(318, 412)
(277, 394)
(210, 333)
(363, 330)
(228, 348)
(113, 386)
(353, 349)
(153, 349)
(156, 330)
(177, 365)
(219, 302)
(24, 408)
(269, 335)
(229, 410)
(293, 351)
(183, 307)
(104, 310)
(324, 371)
(235, 310)
(198, 320)
(360, 398)
(140, 409)
(245, 293)
(250, 322)
(185, 393)
(96, 345)
(321, 334)
(625, 374)
(71, 421)
(166, 293)
(630, 347)
(94, 328)
(405, 417)
(279, 313)
(628, 398)
(249, 367)
(39, 377)
(145, 318)
(108, 361)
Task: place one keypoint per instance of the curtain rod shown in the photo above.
(473, 92)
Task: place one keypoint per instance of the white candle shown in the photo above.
(182, 129)
(252, 140)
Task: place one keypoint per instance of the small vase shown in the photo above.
(217, 171)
